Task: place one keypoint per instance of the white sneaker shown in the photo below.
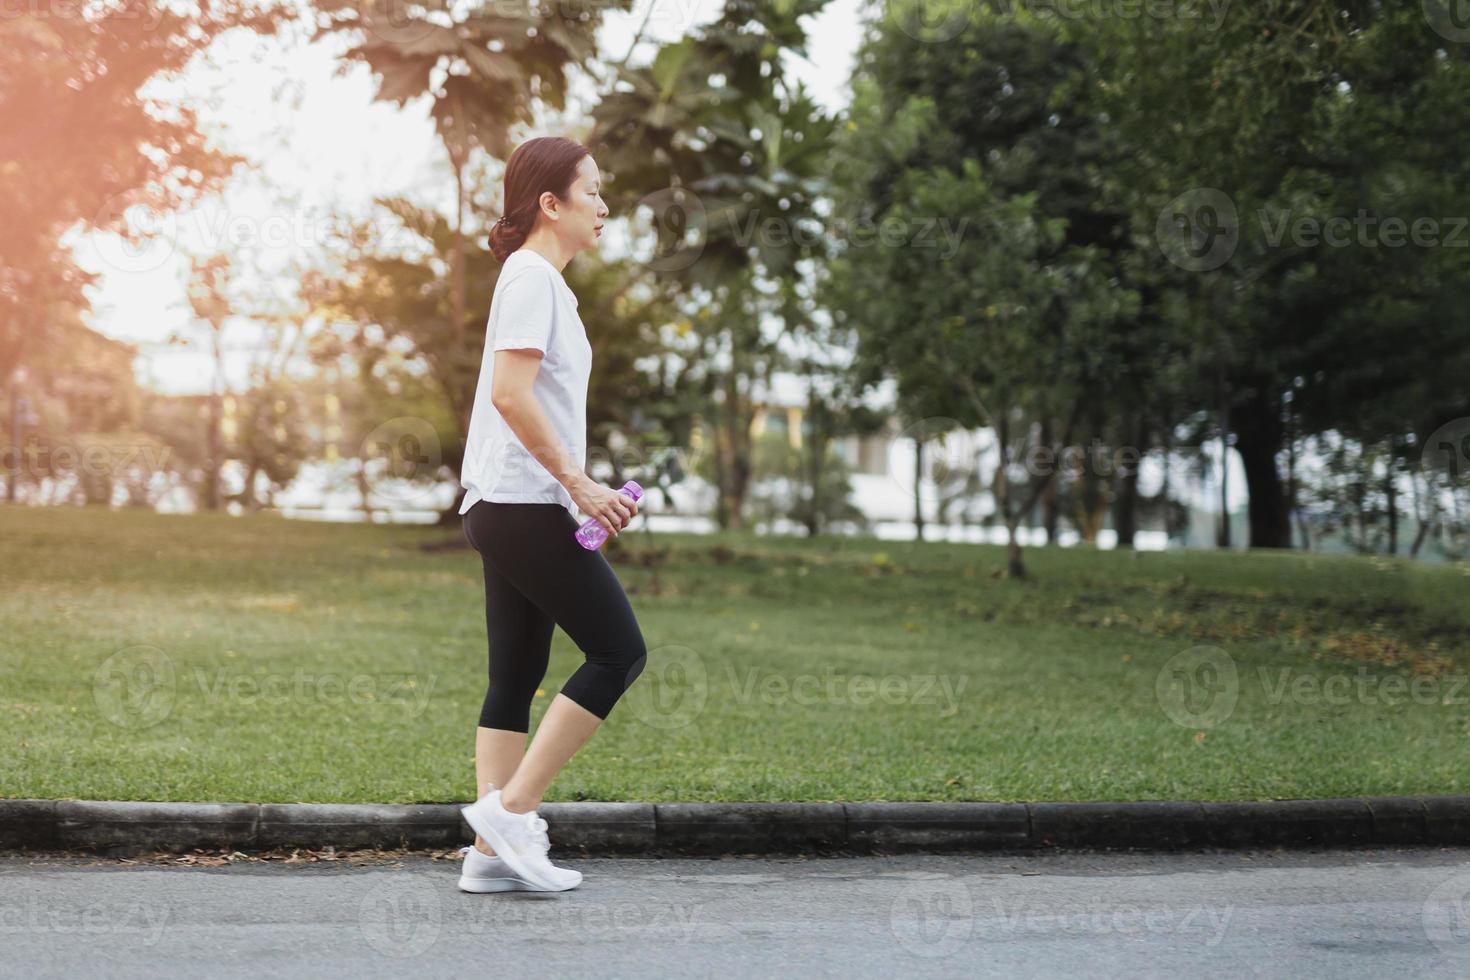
(520, 841)
(483, 874)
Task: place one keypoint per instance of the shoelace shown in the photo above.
(465, 851)
(536, 827)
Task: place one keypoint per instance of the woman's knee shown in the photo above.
(626, 658)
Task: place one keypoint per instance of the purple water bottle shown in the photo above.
(591, 534)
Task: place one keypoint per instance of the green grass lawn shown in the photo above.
(173, 657)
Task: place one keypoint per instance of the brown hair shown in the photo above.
(546, 163)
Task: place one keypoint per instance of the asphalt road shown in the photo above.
(1382, 912)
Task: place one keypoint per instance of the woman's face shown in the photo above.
(581, 222)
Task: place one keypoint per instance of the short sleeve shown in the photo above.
(525, 312)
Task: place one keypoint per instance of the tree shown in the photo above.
(80, 142)
(730, 156)
(1013, 326)
(486, 68)
(1259, 142)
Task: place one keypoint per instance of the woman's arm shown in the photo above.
(512, 396)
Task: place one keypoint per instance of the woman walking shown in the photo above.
(524, 476)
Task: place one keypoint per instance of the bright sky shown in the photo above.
(323, 150)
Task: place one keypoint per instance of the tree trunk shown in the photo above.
(815, 446)
(1050, 506)
(1166, 488)
(365, 489)
(15, 438)
(1222, 533)
(1258, 434)
(1419, 537)
(213, 492)
(1050, 512)
(1392, 503)
(247, 495)
(1015, 568)
(1125, 503)
(732, 446)
(918, 500)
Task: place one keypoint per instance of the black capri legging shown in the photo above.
(537, 577)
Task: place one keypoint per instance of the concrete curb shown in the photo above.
(743, 828)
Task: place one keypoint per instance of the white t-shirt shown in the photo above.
(532, 307)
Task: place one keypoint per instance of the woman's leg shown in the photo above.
(532, 546)
(519, 636)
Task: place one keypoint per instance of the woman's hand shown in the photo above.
(613, 510)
